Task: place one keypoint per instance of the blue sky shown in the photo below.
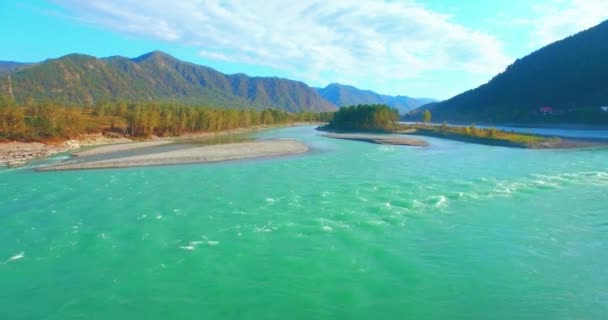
(432, 48)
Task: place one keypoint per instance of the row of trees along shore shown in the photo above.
(47, 121)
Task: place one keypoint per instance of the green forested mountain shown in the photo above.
(343, 95)
(564, 82)
(83, 80)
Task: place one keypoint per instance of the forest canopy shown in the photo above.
(372, 117)
(52, 121)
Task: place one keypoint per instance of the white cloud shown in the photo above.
(564, 18)
(308, 39)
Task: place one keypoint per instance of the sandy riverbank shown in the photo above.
(14, 154)
(213, 153)
(121, 147)
(380, 139)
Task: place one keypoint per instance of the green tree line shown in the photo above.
(373, 117)
(48, 120)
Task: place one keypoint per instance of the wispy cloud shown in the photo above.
(308, 39)
(562, 18)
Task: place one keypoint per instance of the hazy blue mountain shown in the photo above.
(344, 95)
(11, 66)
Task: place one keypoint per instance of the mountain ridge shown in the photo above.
(347, 95)
(80, 79)
(7, 67)
(563, 82)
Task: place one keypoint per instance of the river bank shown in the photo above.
(380, 139)
(204, 154)
(558, 126)
(545, 142)
(496, 138)
(15, 153)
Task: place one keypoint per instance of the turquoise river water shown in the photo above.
(348, 231)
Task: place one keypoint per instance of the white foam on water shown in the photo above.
(386, 149)
(417, 203)
(507, 188)
(212, 243)
(472, 195)
(546, 184)
(16, 257)
(192, 245)
(294, 204)
(343, 225)
(441, 202)
(537, 183)
(158, 217)
(270, 200)
(266, 228)
(376, 222)
(327, 228)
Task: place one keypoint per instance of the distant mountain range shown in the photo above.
(343, 95)
(81, 79)
(564, 82)
(7, 67)
(78, 79)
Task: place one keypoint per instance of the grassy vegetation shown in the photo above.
(49, 121)
(479, 135)
(381, 118)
